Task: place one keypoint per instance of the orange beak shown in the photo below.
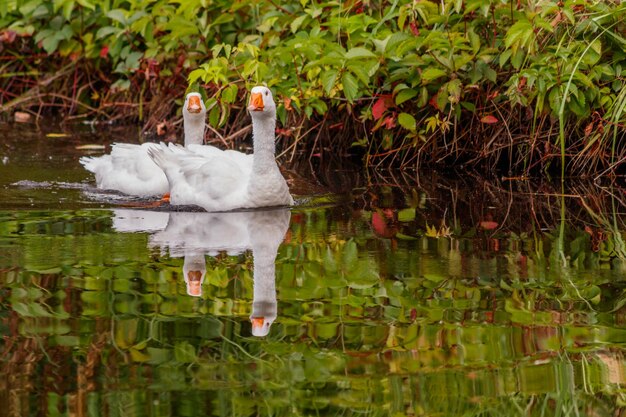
(256, 102)
(194, 289)
(194, 105)
(258, 322)
(194, 284)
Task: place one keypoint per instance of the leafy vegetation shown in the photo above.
(522, 85)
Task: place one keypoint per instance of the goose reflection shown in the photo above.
(194, 235)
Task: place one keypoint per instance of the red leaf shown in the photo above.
(390, 122)
(433, 101)
(414, 28)
(8, 36)
(287, 103)
(380, 106)
(493, 95)
(379, 224)
(284, 132)
(488, 225)
(489, 120)
(104, 51)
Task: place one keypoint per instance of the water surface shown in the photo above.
(390, 294)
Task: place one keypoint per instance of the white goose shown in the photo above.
(129, 169)
(192, 235)
(226, 180)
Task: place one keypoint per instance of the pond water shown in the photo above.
(379, 294)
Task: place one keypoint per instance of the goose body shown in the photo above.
(219, 180)
(130, 170)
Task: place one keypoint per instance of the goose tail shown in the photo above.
(96, 164)
(161, 156)
(90, 163)
(165, 159)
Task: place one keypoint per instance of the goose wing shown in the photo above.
(128, 169)
(216, 177)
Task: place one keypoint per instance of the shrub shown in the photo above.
(480, 82)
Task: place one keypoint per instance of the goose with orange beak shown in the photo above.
(129, 169)
(226, 180)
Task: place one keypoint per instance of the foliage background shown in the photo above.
(491, 83)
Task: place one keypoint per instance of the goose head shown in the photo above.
(261, 103)
(194, 106)
(194, 269)
(261, 325)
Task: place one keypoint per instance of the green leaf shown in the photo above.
(350, 86)
(402, 236)
(407, 121)
(106, 31)
(214, 116)
(593, 53)
(181, 26)
(359, 52)
(118, 15)
(330, 264)
(365, 275)
(68, 7)
(328, 79)
(402, 16)
(504, 57)
(349, 256)
(555, 100)
(297, 22)
(519, 34)
(320, 107)
(223, 18)
(577, 104)
(121, 85)
(132, 61)
(50, 44)
(158, 355)
(229, 94)
(360, 72)
(518, 59)
(87, 4)
(195, 75)
(458, 6)
(405, 95)
(185, 352)
(406, 215)
(64, 340)
(468, 106)
(474, 41)
(430, 74)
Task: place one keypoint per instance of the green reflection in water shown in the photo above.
(96, 321)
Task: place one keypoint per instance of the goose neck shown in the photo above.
(264, 278)
(194, 131)
(263, 134)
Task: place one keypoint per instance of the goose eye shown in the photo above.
(266, 92)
